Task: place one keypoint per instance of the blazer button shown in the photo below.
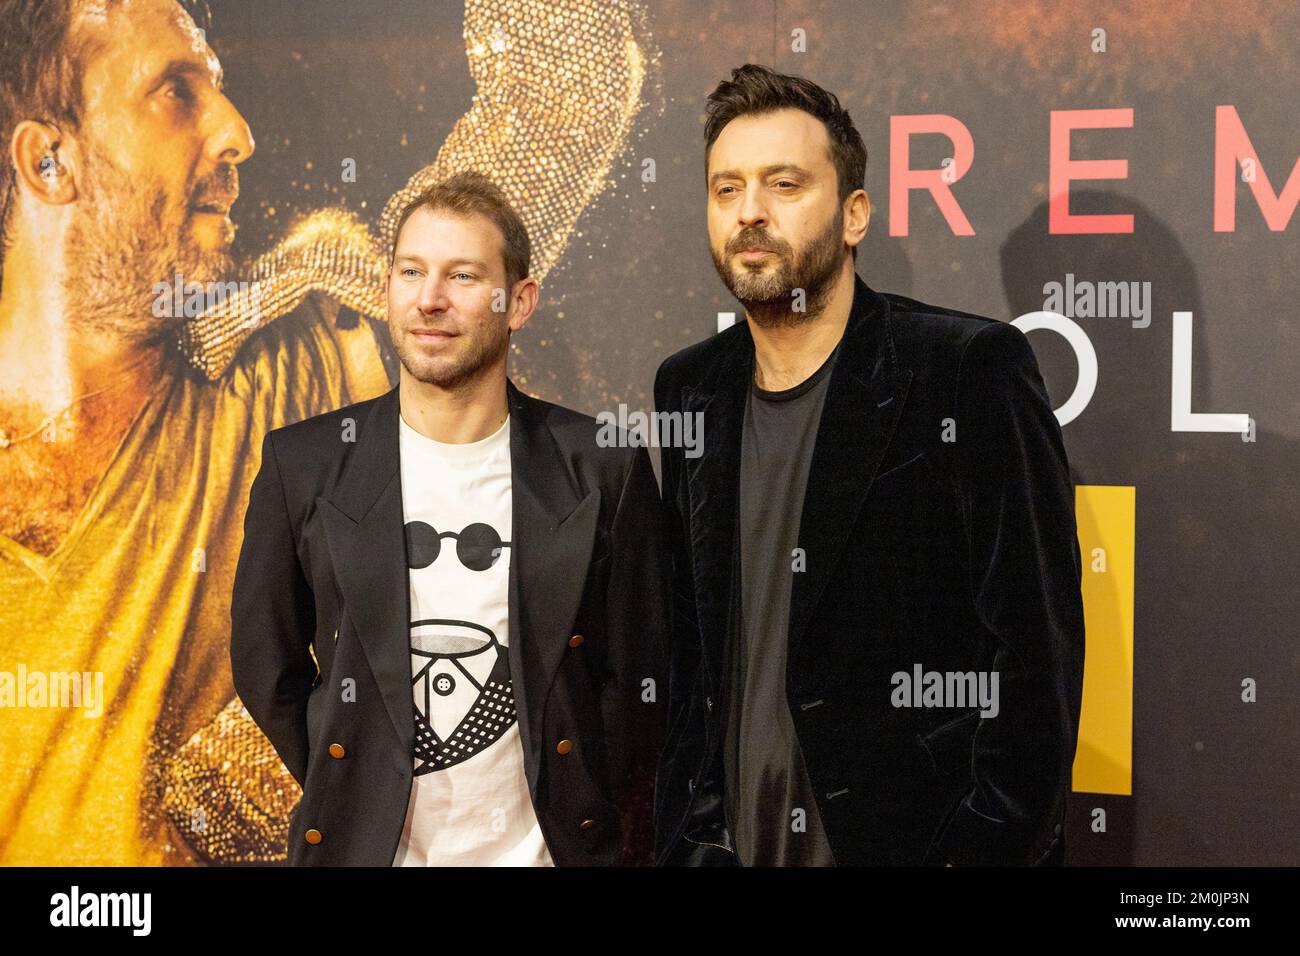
(564, 746)
(337, 751)
(586, 824)
(575, 641)
(312, 837)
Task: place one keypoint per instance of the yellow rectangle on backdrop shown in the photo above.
(1106, 518)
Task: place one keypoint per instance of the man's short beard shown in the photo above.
(769, 299)
(123, 241)
(451, 377)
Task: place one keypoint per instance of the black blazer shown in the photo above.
(957, 555)
(322, 577)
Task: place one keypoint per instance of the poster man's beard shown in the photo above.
(121, 243)
(769, 299)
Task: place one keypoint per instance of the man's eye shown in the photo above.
(457, 275)
(786, 182)
(181, 90)
(409, 271)
(723, 189)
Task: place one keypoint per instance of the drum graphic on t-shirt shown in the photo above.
(460, 670)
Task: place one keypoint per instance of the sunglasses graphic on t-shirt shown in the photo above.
(478, 546)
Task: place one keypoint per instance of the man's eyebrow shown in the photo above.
(765, 171)
(181, 67)
(412, 257)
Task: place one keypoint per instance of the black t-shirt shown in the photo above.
(766, 781)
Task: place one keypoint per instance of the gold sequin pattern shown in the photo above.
(228, 794)
(558, 86)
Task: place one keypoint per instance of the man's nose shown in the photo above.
(753, 211)
(433, 296)
(232, 140)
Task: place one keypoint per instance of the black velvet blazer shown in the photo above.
(939, 533)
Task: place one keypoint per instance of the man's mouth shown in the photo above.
(215, 205)
(433, 335)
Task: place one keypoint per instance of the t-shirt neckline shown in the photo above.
(456, 450)
(786, 394)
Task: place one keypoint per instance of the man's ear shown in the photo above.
(523, 303)
(857, 216)
(45, 163)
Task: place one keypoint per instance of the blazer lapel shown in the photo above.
(712, 482)
(365, 527)
(554, 528)
(864, 398)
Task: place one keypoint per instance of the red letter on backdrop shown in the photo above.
(1063, 170)
(1231, 145)
(902, 179)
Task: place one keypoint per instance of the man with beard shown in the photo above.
(114, 462)
(882, 519)
(456, 580)
(126, 457)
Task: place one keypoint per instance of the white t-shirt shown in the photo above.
(469, 798)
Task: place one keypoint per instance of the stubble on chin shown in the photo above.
(450, 374)
(120, 245)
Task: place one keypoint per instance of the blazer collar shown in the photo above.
(376, 461)
(553, 531)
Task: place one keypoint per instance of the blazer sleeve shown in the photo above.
(272, 620)
(1017, 502)
(632, 700)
